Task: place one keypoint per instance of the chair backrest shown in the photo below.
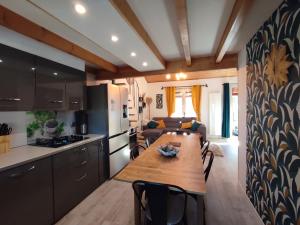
(157, 199)
(204, 149)
(135, 151)
(208, 167)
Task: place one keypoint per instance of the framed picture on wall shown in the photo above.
(159, 101)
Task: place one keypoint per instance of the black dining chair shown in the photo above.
(210, 162)
(204, 149)
(192, 199)
(135, 151)
(163, 204)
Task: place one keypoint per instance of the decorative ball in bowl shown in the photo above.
(168, 150)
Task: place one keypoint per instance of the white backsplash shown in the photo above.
(19, 121)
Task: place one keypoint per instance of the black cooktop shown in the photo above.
(58, 141)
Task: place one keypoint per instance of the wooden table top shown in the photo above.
(185, 170)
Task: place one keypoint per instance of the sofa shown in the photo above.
(172, 125)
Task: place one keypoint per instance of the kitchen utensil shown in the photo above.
(5, 129)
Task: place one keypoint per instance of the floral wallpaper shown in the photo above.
(273, 111)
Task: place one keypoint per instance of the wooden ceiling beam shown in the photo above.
(24, 26)
(206, 74)
(235, 21)
(182, 22)
(199, 64)
(124, 9)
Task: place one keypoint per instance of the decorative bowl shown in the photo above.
(168, 150)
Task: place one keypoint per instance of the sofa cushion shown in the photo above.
(161, 124)
(186, 125)
(195, 126)
(152, 124)
(174, 122)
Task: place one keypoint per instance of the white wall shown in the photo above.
(214, 85)
(242, 75)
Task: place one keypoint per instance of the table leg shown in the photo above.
(137, 210)
(200, 210)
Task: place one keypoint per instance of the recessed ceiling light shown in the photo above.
(145, 64)
(177, 76)
(114, 38)
(1, 60)
(80, 9)
(33, 68)
(183, 75)
(168, 76)
(133, 54)
(55, 74)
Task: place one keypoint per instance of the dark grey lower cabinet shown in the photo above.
(75, 174)
(26, 194)
(103, 161)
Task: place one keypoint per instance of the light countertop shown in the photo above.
(27, 153)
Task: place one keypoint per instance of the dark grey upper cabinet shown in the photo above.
(50, 85)
(59, 87)
(75, 89)
(17, 79)
(26, 194)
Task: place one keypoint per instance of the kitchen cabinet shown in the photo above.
(75, 173)
(75, 89)
(26, 194)
(103, 161)
(17, 79)
(50, 85)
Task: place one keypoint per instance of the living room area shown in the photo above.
(208, 106)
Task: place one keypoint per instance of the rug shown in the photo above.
(216, 149)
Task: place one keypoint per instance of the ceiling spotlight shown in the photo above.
(33, 68)
(80, 9)
(168, 76)
(1, 60)
(55, 74)
(114, 38)
(177, 76)
(145, 64)
(133, 54)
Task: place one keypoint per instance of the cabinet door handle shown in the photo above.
(10, 99)
(101, 146)
(56, 101)
(81, 178)
(16, 175)
(83, 163)
(75, 102)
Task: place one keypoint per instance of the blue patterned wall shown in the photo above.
(273, 111)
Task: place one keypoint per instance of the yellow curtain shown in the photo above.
(196, 99)
(170, 96)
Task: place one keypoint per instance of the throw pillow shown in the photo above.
(186, 125)
(161, 124)
(152, 124)
(195, 126)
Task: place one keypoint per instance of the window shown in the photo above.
(183, 104)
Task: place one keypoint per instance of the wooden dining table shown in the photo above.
(185, 170)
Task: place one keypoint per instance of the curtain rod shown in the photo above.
(202, 85)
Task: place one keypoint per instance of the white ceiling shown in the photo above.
(92, 31)
(159, 19)
(41, 18)
(100, 22)
(259, 12)
(207, 19)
